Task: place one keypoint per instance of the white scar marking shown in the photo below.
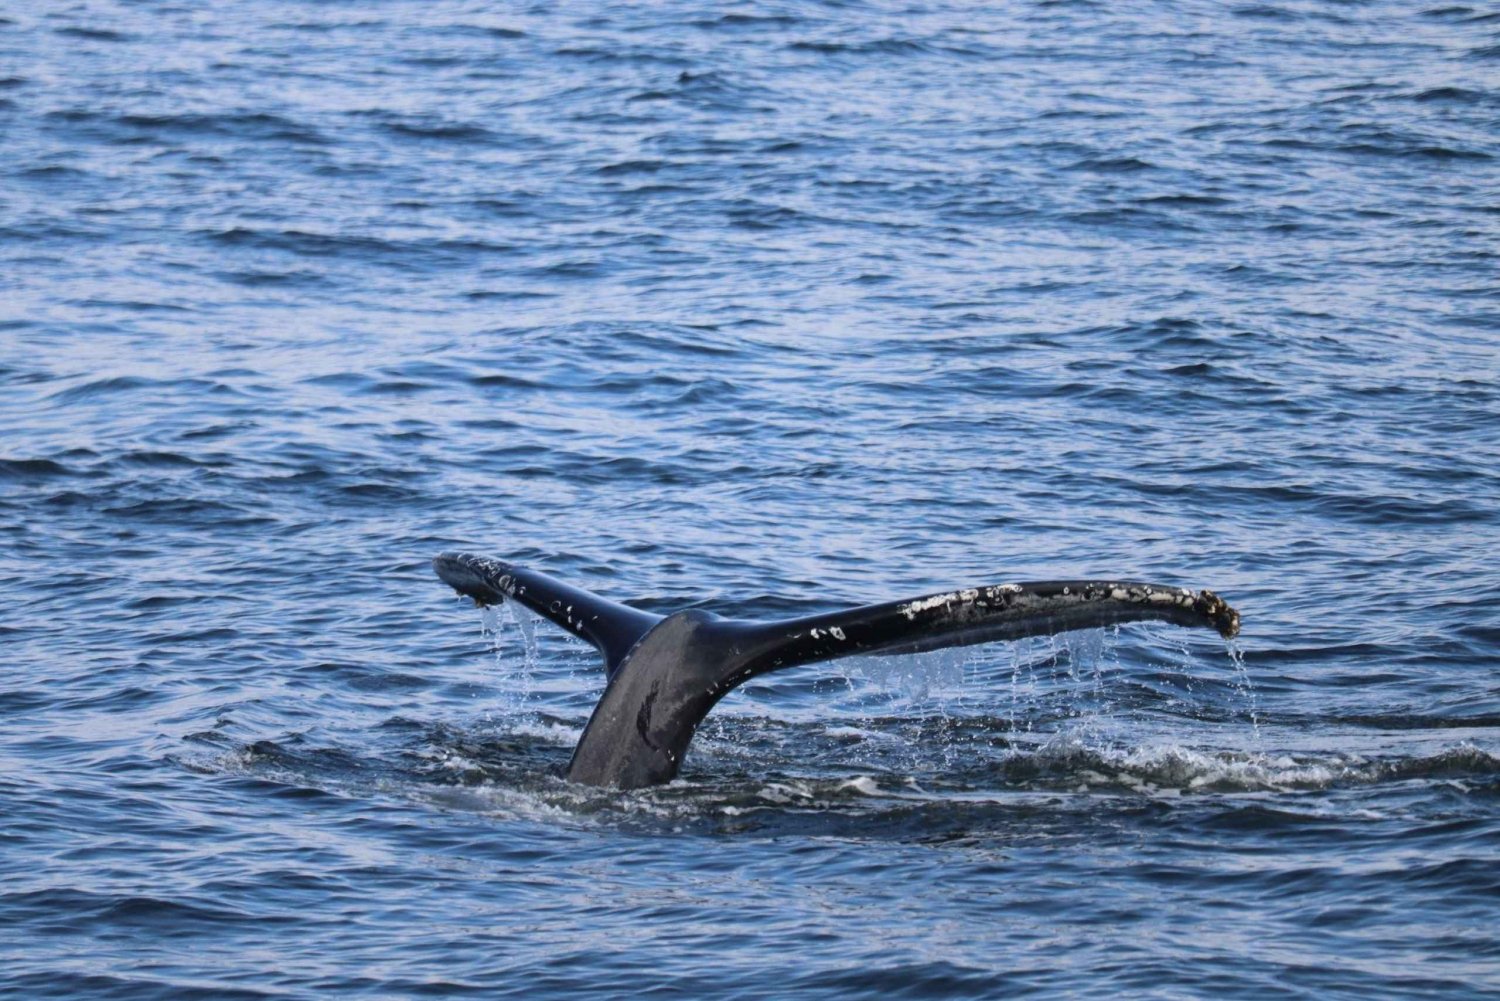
(911, 608)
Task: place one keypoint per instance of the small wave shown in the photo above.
(746, 21)
(131, 306)
(631, 167)
(54, 172)
(367, 492)
(761, 217)
(32, 469)
(457, 131)
(155, 459)
(483, 31)
(191, 511)
(570, 269)
(297, 241)
(1065, 763)
(127, 910)
(249, 125)
(1425, 152)
(1264, 12)
(1184, 201)
(1467, 15)
(607, 54)
(1455, 95)
(1113, 165)
(126, 384)
(403, 255)
(882, 46)
(95, 34)
(274, 279)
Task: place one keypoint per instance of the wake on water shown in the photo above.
(1060, 723)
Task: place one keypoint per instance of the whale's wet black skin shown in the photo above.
(664, 673)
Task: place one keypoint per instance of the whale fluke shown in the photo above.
(612, 628)
(664, 673)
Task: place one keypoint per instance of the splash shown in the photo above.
(516, 674)
(1245, 687)
(949, 712)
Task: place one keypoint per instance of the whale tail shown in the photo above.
(612, 628)
(664, 673)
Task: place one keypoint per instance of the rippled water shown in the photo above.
(768, 309)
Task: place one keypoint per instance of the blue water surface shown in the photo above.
(766, 308)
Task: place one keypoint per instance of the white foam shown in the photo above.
(863, 785)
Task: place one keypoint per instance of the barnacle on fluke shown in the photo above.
(664, 673)
(1218, 611)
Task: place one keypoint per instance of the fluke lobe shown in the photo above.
(664, 673)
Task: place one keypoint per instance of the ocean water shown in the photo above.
(763, 308)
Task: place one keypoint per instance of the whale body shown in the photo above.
(664, 673)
